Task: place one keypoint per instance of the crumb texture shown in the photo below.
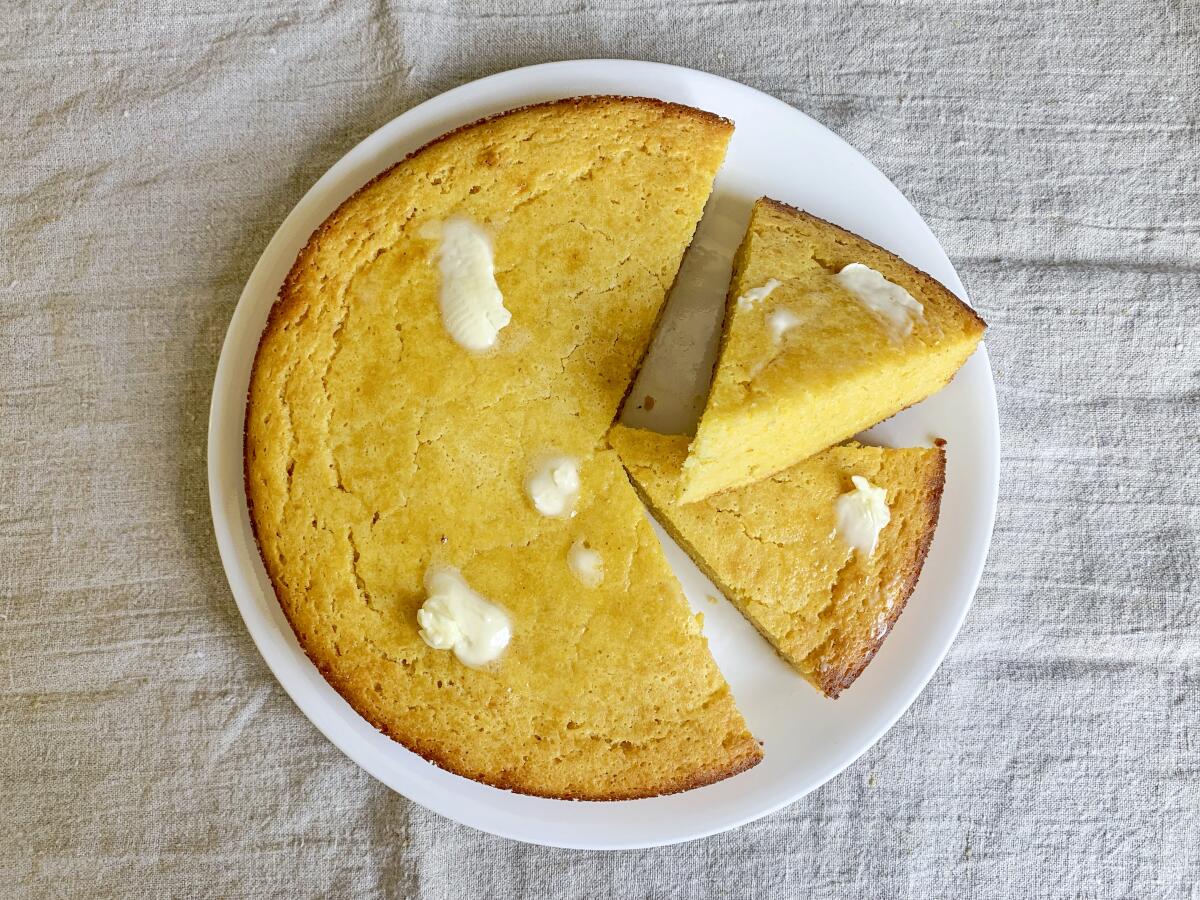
(837, 370)
(773, 549)
(376, 446)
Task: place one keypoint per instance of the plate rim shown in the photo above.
(241, 583)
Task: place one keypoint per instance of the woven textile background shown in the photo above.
(147, 153)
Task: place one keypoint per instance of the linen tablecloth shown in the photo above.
(147, 153)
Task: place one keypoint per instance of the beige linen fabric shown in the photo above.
(147, 152)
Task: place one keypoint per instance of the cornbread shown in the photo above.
(773, 547)
(807, 363)
(391, 428)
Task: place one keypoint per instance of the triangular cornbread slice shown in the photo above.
(810, 363)
(773, 549)
(377, 446)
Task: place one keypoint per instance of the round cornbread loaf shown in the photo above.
(376, 447)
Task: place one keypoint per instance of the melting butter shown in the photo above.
(553, 486)
(586, 563)
(862, 514)
(454, 617)
(780, 322)
(758, 294)
(895, 307)
(472, 305)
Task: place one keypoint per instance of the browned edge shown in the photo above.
(934, 486)
(431, 755)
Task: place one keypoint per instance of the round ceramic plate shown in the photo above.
(778, 152)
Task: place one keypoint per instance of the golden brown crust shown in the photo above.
(299, 289)
(835, 681)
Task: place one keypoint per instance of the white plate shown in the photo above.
(778, 152)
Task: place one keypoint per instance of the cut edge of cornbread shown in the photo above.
(707, 471)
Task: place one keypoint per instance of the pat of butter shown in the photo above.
(553, 486)
(472, 305)
(862, 514)
(587, 564)
(456, 618)
(895, 307)
(780, 322)
(758, 294)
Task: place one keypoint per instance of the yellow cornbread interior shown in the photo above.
(772, 547)
(836, 373)
(376, 446)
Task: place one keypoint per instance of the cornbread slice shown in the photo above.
(773, 549)
(836, 369)
(376, 447)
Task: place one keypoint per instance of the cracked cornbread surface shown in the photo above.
(772, 547)
(835, 371)
(376, 446)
